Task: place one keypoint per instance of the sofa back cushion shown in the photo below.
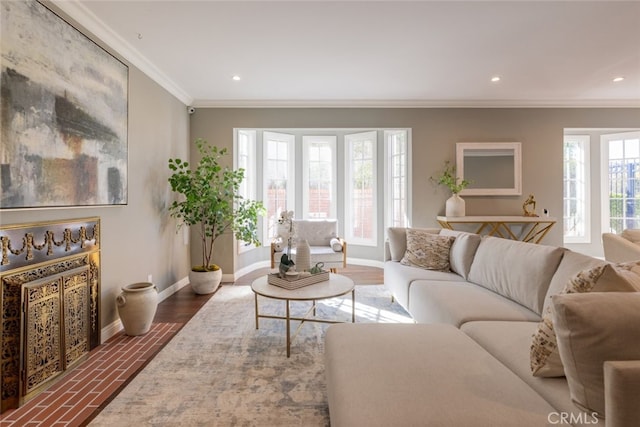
(316, 232)
(632, 234)
(398, 241)
(517, 270)
(462, 251)
(572, 263)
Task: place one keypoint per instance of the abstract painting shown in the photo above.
(63, 114)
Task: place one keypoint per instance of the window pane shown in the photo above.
(278, 187)
(361, 220)
(319, 176)
(576, 203)
(624, 181)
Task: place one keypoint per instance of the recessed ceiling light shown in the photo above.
(236, 78)
(495, 79)
(618, 79)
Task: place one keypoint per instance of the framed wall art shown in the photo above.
(64, 114)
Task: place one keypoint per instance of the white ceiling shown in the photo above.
(377, 53)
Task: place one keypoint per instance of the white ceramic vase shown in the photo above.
(455, 206)
(137, 305)
(303, 256)
(205, 282)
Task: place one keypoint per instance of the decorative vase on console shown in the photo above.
(455, 205)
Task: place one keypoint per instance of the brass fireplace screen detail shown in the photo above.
(50, 302)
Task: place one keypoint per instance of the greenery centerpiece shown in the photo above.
(455, 205)
(211, 202)
(449, 179)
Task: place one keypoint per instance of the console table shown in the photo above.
(534, 228)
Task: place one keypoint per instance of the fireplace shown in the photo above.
(50, 303)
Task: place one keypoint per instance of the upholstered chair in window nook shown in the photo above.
(325, 245)
(622, 247)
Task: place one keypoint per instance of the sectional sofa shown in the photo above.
(469, 359)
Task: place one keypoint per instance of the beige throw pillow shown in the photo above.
(625, 277)
(427, 250)
(592, 329)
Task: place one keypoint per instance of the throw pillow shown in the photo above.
(625, 277)
(336, 245)
(427, 250)
(592, 329)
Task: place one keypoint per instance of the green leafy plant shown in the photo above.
(449, 179)
(211, 200)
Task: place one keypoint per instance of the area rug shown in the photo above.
(220, 371)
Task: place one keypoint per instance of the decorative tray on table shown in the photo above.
(298, 281)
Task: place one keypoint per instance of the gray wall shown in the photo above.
(138, 239)
(435, 132)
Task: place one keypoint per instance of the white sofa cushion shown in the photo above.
(414, 375)
(520, 271)
(398, 279)
(592, 329)
(462, 250)
(427, 250)
(631, 234)
(545, 359)
(572, 263)
(458, 302)
(509, 343)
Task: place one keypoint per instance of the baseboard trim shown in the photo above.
(166, 293)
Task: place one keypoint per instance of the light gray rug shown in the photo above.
(220, 370)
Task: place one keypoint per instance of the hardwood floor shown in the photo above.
(78, 397)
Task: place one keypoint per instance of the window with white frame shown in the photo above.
(245, 157)
(621, 181)
(576, 217)
(319, 176)
(278, 179)
(361, 188)
(397, 178)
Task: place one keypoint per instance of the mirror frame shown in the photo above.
(516, 190)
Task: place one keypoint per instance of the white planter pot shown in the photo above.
(205, 282)
(455, 206)
(137, 305)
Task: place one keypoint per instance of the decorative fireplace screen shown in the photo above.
(50, 302)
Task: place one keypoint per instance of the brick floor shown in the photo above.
(76, 398)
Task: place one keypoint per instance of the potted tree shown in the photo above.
(455, 205)
(210, 201)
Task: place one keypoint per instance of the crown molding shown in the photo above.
(77, 11)
(442, 103)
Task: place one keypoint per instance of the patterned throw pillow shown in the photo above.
(427, 250)
(624, 277)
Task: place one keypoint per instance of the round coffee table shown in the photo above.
(336, 286)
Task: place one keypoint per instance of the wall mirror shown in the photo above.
(494, 168)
